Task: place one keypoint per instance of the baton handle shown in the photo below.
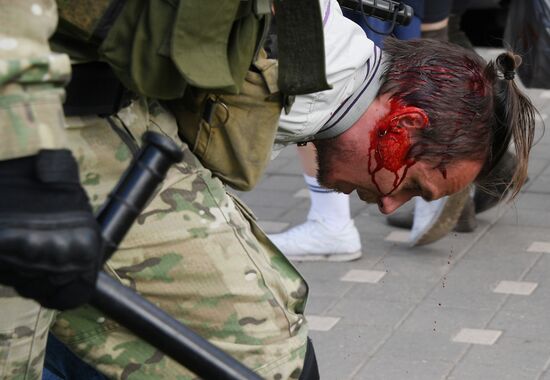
(125, 306)
(135, 188)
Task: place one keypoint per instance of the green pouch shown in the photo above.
(136, 49)
(233, 135)
(229, 30)
(158, 47)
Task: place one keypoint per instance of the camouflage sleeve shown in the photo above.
(31, 79)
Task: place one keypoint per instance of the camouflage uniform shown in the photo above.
(31, 118)
(195, 251)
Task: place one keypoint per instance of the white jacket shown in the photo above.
(352, 68)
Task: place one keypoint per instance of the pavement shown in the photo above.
(470, 306)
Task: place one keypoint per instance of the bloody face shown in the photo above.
(372, 158)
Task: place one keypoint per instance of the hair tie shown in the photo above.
(507, 64)
(509, 75)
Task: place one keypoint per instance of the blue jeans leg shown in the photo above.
(62, 364)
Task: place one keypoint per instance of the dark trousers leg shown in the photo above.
(311, 369)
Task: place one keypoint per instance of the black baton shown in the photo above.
(124, 305)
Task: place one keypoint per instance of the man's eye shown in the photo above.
(414, 188)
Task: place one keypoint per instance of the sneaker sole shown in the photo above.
(445, 221)
(334, 257)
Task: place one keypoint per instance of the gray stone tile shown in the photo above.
(539, 246)
(391, 368)
(291, 169)
(508, 243)
(421, 346)
(398, 236)
(272, 227)
(532, 201)
(510, 358)
(530, 323)
(324, 271)
(298, 213)
(363, 276)
(521, 288)
(290, 151)
(343, 349)
(319, 305)
(446, 320)
(371, 220)
(484, 337)
(453, 244)
(375, 243)
(357, 338)
(371, 312)
(471, 282)
(409, 276)
(291, 166)
(526, 218)
(268, 213)
(321, 322)
(374, 249)
(540, 184)
(539, 274)
(276, 165)
(283, 183)
(541, 151)
(536, 166)
(358, 206)
(393, 288)
(269, 198)
(331, 287)
(301, 193)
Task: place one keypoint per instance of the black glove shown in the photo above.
(50, 244)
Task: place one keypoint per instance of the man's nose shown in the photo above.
(390, 203)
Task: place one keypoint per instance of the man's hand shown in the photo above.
(50, 244)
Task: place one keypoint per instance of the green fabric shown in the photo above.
(235, 140)
(133, 49)
(231, 43)
(157, 48)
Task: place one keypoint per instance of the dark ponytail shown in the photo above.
(514, 116)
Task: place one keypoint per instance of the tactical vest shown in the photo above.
(199, 56)
(157, 48)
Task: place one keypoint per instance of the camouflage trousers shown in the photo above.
(23, 333)
(195, 251)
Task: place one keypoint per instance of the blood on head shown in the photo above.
(390, 143)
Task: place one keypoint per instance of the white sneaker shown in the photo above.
(314, 241)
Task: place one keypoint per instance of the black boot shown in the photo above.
(467, 221)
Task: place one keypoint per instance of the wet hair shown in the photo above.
(474, 108)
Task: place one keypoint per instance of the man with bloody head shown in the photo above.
(441, 119)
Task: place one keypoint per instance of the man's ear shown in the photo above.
(414, 118)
